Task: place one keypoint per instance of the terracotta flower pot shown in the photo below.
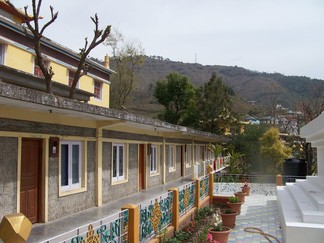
(240, 196)
(246, 189)
(221, 236)
(229, 219)
(235, 207)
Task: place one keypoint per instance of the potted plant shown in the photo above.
(234, 204)
(246, 188)
(240, 196)
(228, 218)
(216, 150)
(218, 232)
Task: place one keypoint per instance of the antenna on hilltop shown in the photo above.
(195, 57)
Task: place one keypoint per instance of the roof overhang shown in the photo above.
(24, 98)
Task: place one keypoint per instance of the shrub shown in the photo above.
(233, 199)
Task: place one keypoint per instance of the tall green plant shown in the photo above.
(237, 163)
(216, 149)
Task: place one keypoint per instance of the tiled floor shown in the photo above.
(261, 212)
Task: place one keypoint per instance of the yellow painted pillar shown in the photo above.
(164, 166)
(211, 187)
(99, 168)
(279, 180)
(197, 199)
(133, 222)
(175, 208)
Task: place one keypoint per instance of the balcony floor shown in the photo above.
(258, 211)
(261, 212)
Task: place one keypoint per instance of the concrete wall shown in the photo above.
(155, 179)
(173, 175)
(59, 207)
(112, 192)
(8, 175)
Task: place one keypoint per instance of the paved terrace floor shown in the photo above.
(258, 211)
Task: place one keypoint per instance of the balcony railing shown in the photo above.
(110, 229)
(155, 215)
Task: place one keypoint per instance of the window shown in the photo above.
(206, 153)
(188, 155)
(71, 165)
(153, 159)
(2, 53)
(171, 157)
(37, 71)
(196, 154)
(71, 77)
(118, 162)
(97, 89)
(201, 150)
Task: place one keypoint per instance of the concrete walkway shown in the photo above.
(43, 232)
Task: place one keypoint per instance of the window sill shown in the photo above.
(172, 170)
(152, 174)
(71, 191)
(113, 183)
(188, 166)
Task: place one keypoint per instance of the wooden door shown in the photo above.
(30, 178)
(141, 167)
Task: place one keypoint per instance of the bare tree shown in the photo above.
(36, 33)
(98, 37)
(313, 105)
(273, 96)
(127, 56)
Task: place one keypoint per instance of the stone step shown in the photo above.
(289, 208)
(314, 191)
(294, 230)
(307, 209)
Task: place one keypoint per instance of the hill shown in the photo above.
(248, 85)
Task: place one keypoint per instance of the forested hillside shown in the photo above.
(248, 85)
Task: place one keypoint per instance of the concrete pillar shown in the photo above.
(133, 222)
(175, 208)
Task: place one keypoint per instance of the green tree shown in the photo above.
(127, 57)
(176, 93)
(248, 144)
(273, 150)
(214, 106)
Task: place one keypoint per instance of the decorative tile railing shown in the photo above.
(186, 197)
(155, 216)
(110, 229)
(204, 187)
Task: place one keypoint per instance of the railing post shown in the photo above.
(279, 180)
(197, 199)
(133, 222)
(175, 208)
(211, 187)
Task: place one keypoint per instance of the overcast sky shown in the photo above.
(285, 36)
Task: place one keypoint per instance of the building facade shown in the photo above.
(60, 156)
